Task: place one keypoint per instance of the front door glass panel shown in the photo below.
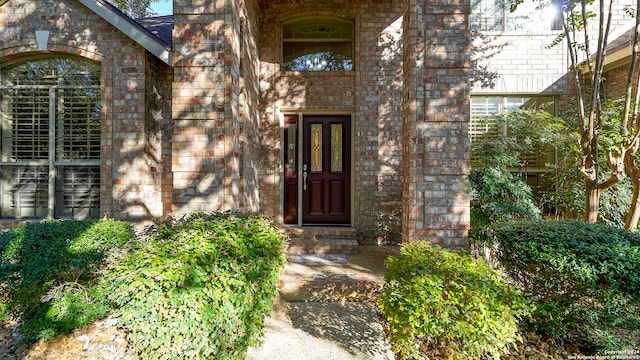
(336, 147)
(316, 147)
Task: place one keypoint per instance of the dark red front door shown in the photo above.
(326, 169)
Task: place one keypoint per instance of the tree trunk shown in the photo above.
(593, 202)
(634, 211)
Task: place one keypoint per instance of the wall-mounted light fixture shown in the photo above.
(42, 37)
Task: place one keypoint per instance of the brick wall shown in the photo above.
(520, 62)
(371, 93)
(205, 150)
(131, 160)
(249, 102)
(435, 169)
(524, 62)
(615, 83)
(223, 119)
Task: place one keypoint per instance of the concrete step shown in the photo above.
(331, 288)
(322, 246)
(358, 278)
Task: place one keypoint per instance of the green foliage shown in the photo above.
(201, 287)
(498, 192)
(583, 276)
(522, 131)
(615, 204)
(48, 270)
(450, 299)
(498, 195)
(567, 195)
(135, 8)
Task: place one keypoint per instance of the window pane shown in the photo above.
(487, 15)
(53, 102)
(53, 71)
(25, 125)
(336, 147)
(533, 16)
(78, 126)
(24, 191)
(317, 57)
(316, 147)
(78, 192)
(317, 44)
(495, 15)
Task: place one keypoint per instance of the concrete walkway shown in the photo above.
(323, 311)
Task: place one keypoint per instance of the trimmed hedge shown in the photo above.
(583, 276)
(48, 271)
(201, 287)
(448, 298)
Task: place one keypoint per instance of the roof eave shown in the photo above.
(142, 37)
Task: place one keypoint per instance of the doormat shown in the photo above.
(320, 259)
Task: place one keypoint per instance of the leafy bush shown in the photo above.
(450, 299)
(48, 269)
(497, 195)
(499, 191)
(201, 287)
(583, 276)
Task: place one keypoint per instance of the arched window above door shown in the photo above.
(317, 44)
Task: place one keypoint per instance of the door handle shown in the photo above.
(304, 177)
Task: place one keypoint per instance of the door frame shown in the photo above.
(300, 144)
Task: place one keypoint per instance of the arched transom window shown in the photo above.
(317, 44)
(50, 139)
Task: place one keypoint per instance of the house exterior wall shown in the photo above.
(130, 162)
(372, 94)
(410, 148)
(521, 62)
(206, 131)
(249, 105)
(616, 78)
(436, 164)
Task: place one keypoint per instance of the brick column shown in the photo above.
(435, 142)
(205, 150)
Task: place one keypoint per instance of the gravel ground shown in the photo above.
(102, 340)
(296, 330)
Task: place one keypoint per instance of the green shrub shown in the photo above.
(450, 299)
(201, 287)
(499, 191)
(48, 270)
(497, 195)
(583, 276)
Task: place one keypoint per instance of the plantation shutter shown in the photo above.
(483, 124)
(50, 140)
(25, 138)
(78, 142)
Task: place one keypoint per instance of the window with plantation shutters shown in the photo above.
(50, 139)
(483, 124)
